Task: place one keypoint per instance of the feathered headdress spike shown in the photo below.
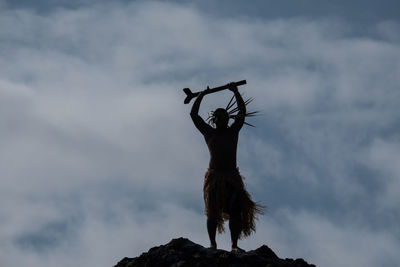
(232, 110)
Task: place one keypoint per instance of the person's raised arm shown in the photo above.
(198, 121)
(239, 119)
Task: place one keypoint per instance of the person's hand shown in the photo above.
(204, 92)
(232, 87)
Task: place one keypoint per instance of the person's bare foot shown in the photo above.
(237, 250)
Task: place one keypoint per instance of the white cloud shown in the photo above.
(384, 156)
(342, 244)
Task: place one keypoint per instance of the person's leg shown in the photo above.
(211, 212)
(235, 209)
(234, 227)
(212, 230)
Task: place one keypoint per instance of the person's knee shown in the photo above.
(212, 218)
(235, 205)
(234, 217)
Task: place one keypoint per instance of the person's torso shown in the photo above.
(222, 145)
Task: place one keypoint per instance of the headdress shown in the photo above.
(233, 111)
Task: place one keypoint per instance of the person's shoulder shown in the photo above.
(210, 131)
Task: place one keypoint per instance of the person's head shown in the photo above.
(220, 118)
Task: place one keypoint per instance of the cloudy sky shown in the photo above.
(99, 158)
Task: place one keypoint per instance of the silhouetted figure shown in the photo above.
(225, 195)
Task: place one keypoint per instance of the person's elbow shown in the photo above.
(194, 115)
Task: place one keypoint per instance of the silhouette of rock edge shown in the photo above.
(181, 252)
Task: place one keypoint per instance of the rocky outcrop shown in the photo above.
(182, 252)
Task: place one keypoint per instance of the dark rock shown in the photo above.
(182, 252)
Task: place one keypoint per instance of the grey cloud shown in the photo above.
(359, 12)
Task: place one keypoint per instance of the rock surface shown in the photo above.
(182, 252)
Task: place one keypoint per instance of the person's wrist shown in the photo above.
(206, 91)
(232, 87)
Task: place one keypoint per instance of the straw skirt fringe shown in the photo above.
(219, 189)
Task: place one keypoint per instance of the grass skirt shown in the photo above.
(219, 189)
